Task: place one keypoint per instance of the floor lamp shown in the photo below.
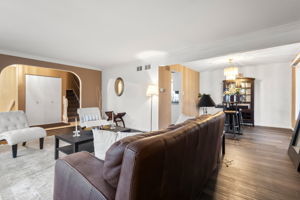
(151, 91)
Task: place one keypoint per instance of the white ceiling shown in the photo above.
(280, 54)
(101, 34)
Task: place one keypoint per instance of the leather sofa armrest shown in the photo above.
(79, 176)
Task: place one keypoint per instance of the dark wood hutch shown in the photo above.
(246, 96)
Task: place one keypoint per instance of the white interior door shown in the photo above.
(43, 99)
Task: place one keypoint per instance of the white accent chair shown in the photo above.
(14, 129)
(91, 117)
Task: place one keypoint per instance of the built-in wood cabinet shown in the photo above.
(245, 97)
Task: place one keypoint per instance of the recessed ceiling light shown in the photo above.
(150, 54)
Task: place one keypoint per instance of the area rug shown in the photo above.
(30, 175)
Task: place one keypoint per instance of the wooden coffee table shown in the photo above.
(82, 143)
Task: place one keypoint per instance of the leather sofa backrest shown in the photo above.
(12, 120)
(114, 157)
(173, 165)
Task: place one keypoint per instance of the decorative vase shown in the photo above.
(232, 98)
(237, 98)
(226, 98)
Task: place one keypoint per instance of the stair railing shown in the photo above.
(76, 89)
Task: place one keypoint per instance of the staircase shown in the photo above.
(73, 105)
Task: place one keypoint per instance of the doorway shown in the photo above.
(175, 96)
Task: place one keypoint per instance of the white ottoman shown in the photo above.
(14, 129)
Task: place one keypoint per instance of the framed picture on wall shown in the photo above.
(294, 148)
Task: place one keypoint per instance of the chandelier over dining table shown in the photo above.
(231, 72)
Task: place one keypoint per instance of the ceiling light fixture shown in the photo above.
(231, 71)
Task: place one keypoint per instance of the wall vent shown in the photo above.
(139, 68)
(147, 67)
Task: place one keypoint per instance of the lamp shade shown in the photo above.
(152, 90)
(206, 101)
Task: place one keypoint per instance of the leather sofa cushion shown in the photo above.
(79, 176)
(114, 157)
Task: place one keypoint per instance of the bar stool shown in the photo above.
(232, 118)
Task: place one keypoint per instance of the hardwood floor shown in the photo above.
(256, 167)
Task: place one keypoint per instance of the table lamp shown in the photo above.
(204, 102)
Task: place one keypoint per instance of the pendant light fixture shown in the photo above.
(231, 71)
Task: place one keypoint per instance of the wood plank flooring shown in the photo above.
(256, 167)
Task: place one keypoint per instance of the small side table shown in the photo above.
(82, 143)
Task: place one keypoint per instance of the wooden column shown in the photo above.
(188, 96)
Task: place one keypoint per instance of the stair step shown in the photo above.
(73, 105)
(72, 118)
(72, 113)
(73, 102)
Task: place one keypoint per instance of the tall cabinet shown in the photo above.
(245, 97)
(43, 99)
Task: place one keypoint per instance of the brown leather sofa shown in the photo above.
(169, 164)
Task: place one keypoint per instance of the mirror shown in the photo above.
(119, 86)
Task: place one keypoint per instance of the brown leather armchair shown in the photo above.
(174, 163)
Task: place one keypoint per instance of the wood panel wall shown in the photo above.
(8, 89)
(164, 97)
(189, 94)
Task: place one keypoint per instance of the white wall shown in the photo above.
(272, 91)
(134, 100)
